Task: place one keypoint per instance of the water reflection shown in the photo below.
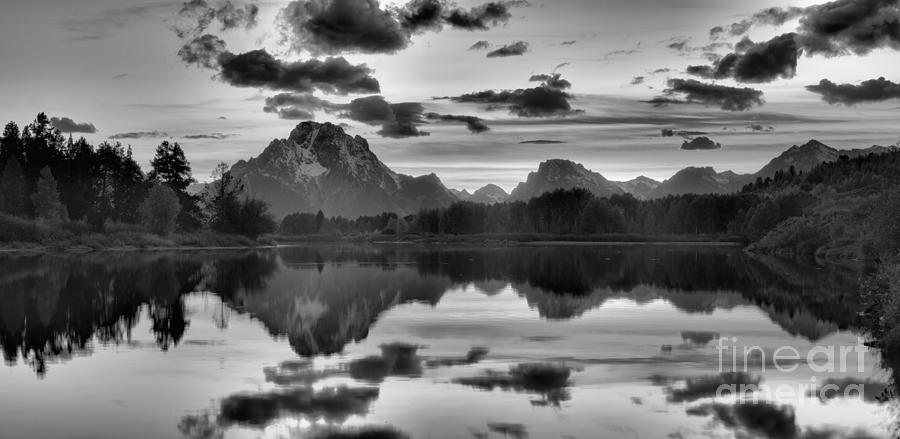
(322, 301)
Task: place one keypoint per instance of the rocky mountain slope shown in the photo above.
(489, 194)
(563, 174)
(320, 167)
(640, 187)
(700, 181)
(812, 153)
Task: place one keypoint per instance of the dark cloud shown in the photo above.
(775, 16)
(259, 69)
(701, 142)
(211, 136)
(475, 125)
(695, 388)
(637, 80)
(203, 51)
(138, 135)
(620, 52)
(752, 419)
(396, 120)
(508, 429)
(759, 128)
(696, 92)
(850, 26)
(569, 42)
(540, 142)
(296, 106)
(331, 404)
(364, 432)
(197, 15)
(482, 17)
(480, 45)
(679, 44)
(515, 49)
(553, 80)
(421, 15)
(547, 99)
(68, 125)
(338, 26)
(669, 132)
(850, 387)
(872, 90)
(362, 26)
(756, 62)
(662, 70)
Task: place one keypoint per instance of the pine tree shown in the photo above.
(12, 188)
(170, 166)
(46, 198)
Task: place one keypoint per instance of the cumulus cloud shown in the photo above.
(515, 49)
(834, 28)
(755, 62)
(850, 26)
(363, 26)
(480, 45)
(637, 80)
(396, 119)
(872, 90)
(482, 17)
(203, 51)
(474, 124)
(138, 135)
(701, 142)
(68, 125)
(775, 16)
(547, 99)
(681, 91)
(197, 15)
(259, 69)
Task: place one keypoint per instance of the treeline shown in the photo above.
(51, 180)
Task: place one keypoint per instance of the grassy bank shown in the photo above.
(508, 239)
(18, 234)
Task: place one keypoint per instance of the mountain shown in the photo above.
(563, 174)
(489, 194)
(700, 181)
(640, 187)
(461, 195)
(809, 155)
(320, 167)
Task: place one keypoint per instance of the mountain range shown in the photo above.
(320, 167)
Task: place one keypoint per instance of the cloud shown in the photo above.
(212, 136)
(758, 128)
(68, 125)
(549, 380)
(363, 26)
(474, 124)
(850, 26)
(569, 43)
(669, 132)
(621, 52)
(482, 17)
(701, 142)
(204, 51)
(692, 91)
(637, 80)
(138, 135)
(515, 49)
(420, 15)
(396, 120)
(547, 99)
(259, 69)
(540, 142)
(872, 90)
(197, 15)
(480, 45)
(679, 44)
(775, 16)
(757, 62)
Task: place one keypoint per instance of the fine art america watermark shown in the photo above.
(736, 361)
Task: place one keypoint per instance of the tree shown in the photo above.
(254, 219)
(170, 166)
(13, 188)
(10, 143)
(46, 198)
(160, 210)
(223, 200)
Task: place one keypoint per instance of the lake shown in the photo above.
(424, 342)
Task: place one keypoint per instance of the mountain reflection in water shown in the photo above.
(323, 299)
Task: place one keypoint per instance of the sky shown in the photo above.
(225, 78)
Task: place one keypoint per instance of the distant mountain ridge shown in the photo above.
(320, 167)
(563, 174)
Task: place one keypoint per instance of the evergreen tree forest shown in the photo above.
(70, 184)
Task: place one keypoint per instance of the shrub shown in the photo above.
(160, 210)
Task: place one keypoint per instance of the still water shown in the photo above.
(388, 341)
